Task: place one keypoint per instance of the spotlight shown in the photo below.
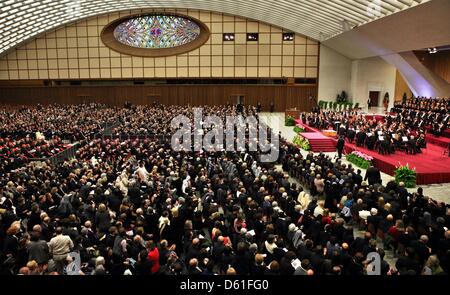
(228, 37)
(252, 36)
(288, 36)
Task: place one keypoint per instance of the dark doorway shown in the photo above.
(374, 98)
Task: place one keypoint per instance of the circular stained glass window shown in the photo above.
(157, 31)
(155, 34)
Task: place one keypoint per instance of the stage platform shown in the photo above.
(432, 165)
(440, 141)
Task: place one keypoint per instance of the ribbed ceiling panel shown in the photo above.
(21, 20)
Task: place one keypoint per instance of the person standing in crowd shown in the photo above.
(340, 146)
(59, 247)
(373, 175)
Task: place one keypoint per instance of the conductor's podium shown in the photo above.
(294, 113)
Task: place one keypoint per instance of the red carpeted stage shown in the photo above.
(432, 165)
(440, 141)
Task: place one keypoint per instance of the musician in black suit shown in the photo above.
(351, 133)
(412, 146)
(438, 129)
(360, 138)
(384, 146)
(342, 130)
(421, 143)
(371, 140)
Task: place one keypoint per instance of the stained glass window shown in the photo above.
(157, 31)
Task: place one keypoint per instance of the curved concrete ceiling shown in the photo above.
(21, 20)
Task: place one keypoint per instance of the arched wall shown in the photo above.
(77, 52)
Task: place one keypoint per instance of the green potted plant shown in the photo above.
(360, 159)
(406, 175)
(301, 142)
(290, 121)
(298, 129)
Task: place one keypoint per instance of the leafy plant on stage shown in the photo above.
(360, 159)
(298, 129)
(406, 175)
(302, 142)
(290, 121)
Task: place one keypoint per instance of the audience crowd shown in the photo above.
(136, 206)
(156, 119)
(30, 148)
(70, 122)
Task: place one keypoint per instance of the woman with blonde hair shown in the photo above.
(303, 199)
(319, 184)
(11, 242)
(319, 209)
(102, 218)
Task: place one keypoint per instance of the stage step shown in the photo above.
(322, 145)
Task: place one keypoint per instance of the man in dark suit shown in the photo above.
(412, 146)
(239, 107)
(360, 138)
(421, 249)
(357, 178)
(340, 146)
(351, 135)
(371, 140)
(258, 107)
(373, 175)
